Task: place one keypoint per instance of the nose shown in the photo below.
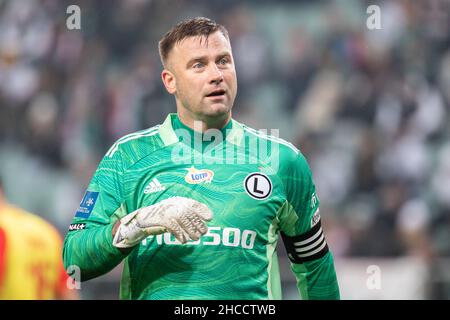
(216, 76)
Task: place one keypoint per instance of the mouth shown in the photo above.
(219, 93)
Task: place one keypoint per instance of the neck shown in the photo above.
(204, 123)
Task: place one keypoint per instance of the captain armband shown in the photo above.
(305, 247)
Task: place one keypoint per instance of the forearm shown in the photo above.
(92, 251)
(316, 280)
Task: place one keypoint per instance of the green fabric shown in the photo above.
(316, 280)
(236, 259)
(177, 124)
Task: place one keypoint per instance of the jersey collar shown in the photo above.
(169, 137)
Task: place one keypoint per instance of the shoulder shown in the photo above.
(287, 151)
(271, 136)
(32, 223)
(290, 158)
(134, 146)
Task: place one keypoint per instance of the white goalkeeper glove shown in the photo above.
(183, 217)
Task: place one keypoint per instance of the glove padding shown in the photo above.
(183, 217)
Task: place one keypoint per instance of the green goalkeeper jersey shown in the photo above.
(259, 188)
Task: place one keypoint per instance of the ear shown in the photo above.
(168, 78)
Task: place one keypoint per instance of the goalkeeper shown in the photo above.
(187, 223)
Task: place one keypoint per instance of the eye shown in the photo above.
(223, 61)
(198, 65)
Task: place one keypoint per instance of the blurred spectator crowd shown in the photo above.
(370, 109)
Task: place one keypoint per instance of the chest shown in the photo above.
(240, 195)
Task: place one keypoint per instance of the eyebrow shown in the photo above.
(203, 58)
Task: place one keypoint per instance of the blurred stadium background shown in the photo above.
(370, 109)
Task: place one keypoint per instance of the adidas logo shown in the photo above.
(154, 186)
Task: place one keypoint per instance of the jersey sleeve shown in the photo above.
(301, 230)
(88, 243)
